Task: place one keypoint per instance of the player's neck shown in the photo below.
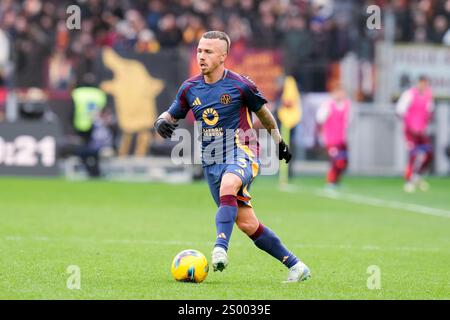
(215, 76)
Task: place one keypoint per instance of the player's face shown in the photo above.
(211, 53)
(339, 94)
(423, 84)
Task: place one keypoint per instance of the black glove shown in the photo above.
(283, 152)
(165, 128)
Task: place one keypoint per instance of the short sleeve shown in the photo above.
(180, 106)
(323, 112)
(403, 103)
(253, 98)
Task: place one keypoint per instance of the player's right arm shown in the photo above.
(322, 113)
(168, 120)
(403, 103)
(165, 125)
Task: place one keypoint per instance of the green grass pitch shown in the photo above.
(123, 237)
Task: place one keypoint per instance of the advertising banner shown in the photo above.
(410, 61)
(29, 148)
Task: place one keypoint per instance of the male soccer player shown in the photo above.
(415, 107)
(223, 101)
(332, 116)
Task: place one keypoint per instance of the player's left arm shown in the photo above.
(258, 104)
(269, 122)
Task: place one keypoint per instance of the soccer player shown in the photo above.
(222, 101)
(415, 107)
(332, 117)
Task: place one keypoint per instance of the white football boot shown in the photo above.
(423, 185)
(219, 259)
(409, 187)
(420, 183)
(298, 272)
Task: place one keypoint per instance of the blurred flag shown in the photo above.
(290, 114)
(290, 111)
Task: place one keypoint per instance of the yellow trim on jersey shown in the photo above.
(249, 120)
(244, 148)
(246, 197)
(245, 192)
(255, 168)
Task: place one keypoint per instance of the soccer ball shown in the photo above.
(190, 266)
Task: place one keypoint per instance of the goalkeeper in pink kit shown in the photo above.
(332, 117)
(415, 107)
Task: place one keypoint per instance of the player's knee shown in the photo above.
(230, 184)
(247, 226)
(248, 223)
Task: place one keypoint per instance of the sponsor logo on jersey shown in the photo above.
(210, 116)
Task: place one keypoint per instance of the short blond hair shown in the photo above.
(218, 35)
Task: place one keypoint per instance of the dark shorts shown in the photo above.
(245, 168)
(338, 152)
(417, 142)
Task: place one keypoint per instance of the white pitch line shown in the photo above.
(367, 247)
(360, 199)
(377, 202)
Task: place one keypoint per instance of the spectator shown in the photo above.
(297, 44)
(247, 10)
(169, 34)
(239, 30)
(437, 31)
(327, 30)
(266, 32)
(193, 30)
(147, 42)
(216, 23)
(446, 38)
(60, 71)
(404, 23)
(91, 125)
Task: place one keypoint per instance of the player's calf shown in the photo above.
(266, 240)
(225, 218)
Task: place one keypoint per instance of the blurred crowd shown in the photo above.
(311, 33)
(424, 21)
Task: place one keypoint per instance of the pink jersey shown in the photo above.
(334, 128)
(419, 112)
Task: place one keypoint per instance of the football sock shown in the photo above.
(265, 239)
(332, 175)
(340, 166)
(410, 167)
(225, 218)
(426, 162)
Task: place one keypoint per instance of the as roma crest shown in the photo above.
(225, 98)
